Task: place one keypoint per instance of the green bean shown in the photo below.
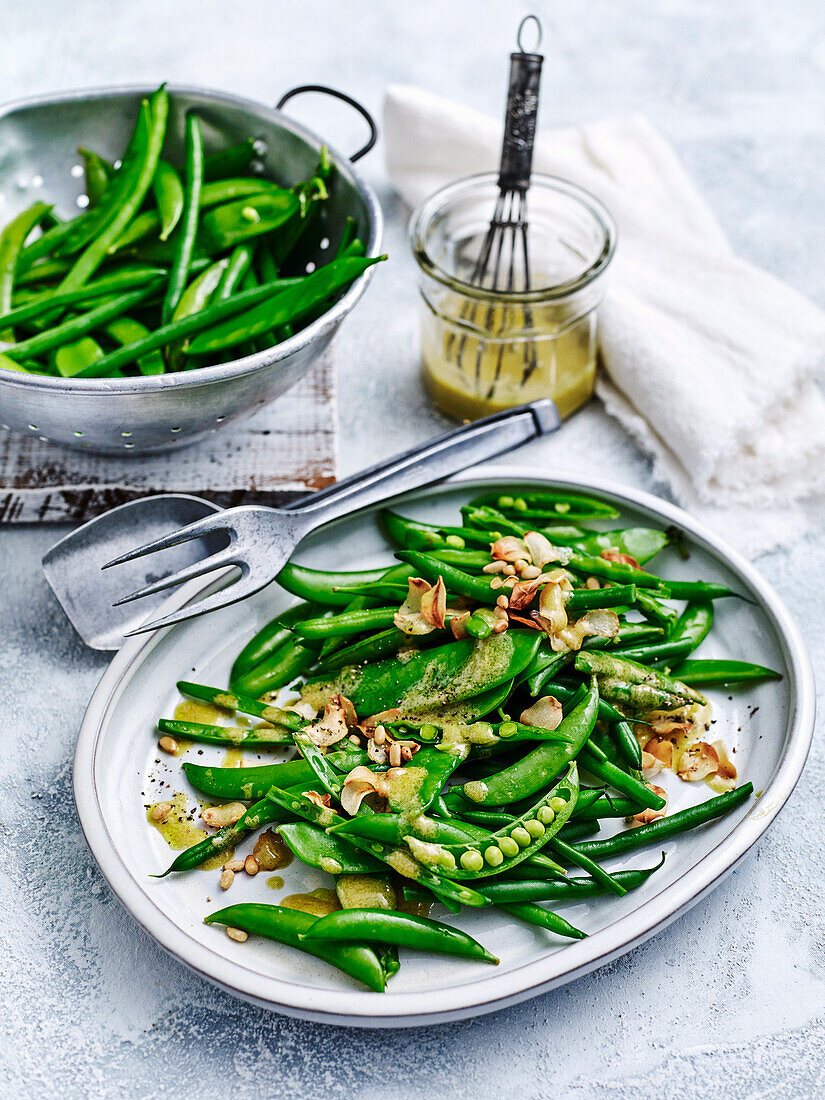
(697, 673)
(251, 784)
(699, 591)
(268, 639)
(296, 299)
(597, 764)
(571, 889)
(352, 622)
(288, 926)
(535, 914)
(321, 586)
(617, 571)
(46, 301)
(175, 330)
(607, 806)
(580, 859)
(374, 648)
(239, 264)
(185, 243)
(226, 735)
(263, 812)
(71, 330)
(231, 700)
(666, 827)
(655, 610)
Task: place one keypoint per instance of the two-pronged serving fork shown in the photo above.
(260, 540)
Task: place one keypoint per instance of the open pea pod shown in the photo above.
(437, 677)
(508, 846)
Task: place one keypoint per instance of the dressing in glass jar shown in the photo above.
(484, 350)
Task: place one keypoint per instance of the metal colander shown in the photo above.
(39, 160)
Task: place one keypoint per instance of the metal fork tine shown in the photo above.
(238, 590)
(196, 569)
(206, 526)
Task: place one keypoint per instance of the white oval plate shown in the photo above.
(117, 772)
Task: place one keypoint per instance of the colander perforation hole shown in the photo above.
(78, 433)
(324, 243)
(76, 170)
(33, 428)
(82, 201)
(128, 446)
(174, 429)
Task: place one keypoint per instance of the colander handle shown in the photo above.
(359, 107)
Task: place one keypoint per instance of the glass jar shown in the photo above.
(484, 349)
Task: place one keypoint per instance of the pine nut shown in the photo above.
(250, 865)
(168, 744)
(395, 755)
(237, 934)
(233, 865)
(503, 601)
(161, 812)
(227, 878)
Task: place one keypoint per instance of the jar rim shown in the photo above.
(423, 215)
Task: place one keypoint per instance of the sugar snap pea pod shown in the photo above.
(505, 848)
(536, 914)
(698, 673)
(640, 697)
(45, 244)
(97, 173)
(73, 358)
(12, 240)
(128, 190)
(597, 764)
(263, 812)
(231, 700)
(232, 223)
(105, 287)
(397, 859)
(269, 638)
(348, 622)
(455, 580)
(251, 784)
(289, 925)
(168, 191)
(580, 859)
(414, 535)
(446, 674)
(640, 543)
(631, 672)
(655, 610)
(558, 502)
(328, 776)
(462, 712)
(78, 326)
(225, 735)
(125, 330)
(291, 305)
(666, 827)
(277, 670)
(188, 230)
(538, 768)
(322, 587)
(317, 848)
(627, 744)
(229, 162)
(503, 892)
(400, 929)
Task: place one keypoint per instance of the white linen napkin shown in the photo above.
(710, 362)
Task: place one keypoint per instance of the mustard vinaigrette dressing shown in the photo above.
(483, 350)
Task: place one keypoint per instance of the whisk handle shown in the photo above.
(520, 121)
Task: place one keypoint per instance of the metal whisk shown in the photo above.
(503, 262)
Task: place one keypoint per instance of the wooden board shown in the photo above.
(285, 450)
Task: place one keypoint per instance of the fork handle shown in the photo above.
(438, 458)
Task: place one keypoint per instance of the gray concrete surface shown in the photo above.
(727, 1002)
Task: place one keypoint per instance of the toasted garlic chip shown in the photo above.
(699, 761)
(648, 815)
(545, 712)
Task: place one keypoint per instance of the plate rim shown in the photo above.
(355, 1008)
